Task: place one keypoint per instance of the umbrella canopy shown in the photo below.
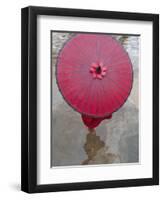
(94, 75)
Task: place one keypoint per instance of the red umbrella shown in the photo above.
(94, 75)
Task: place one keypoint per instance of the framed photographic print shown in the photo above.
(90, 99)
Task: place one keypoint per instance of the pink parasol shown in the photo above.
(94, 74)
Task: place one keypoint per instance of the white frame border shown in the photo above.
(48, 175)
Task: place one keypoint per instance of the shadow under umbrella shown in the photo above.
(92, 146)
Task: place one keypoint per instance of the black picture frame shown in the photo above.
(29, 99)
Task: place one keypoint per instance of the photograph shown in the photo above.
(94, 99)
(90, 99)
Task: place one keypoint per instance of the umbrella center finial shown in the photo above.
(98, 70)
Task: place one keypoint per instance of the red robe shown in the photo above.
(91, 122)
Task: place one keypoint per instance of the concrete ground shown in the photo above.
(114, 141)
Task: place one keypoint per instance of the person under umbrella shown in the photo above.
(94, 75)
